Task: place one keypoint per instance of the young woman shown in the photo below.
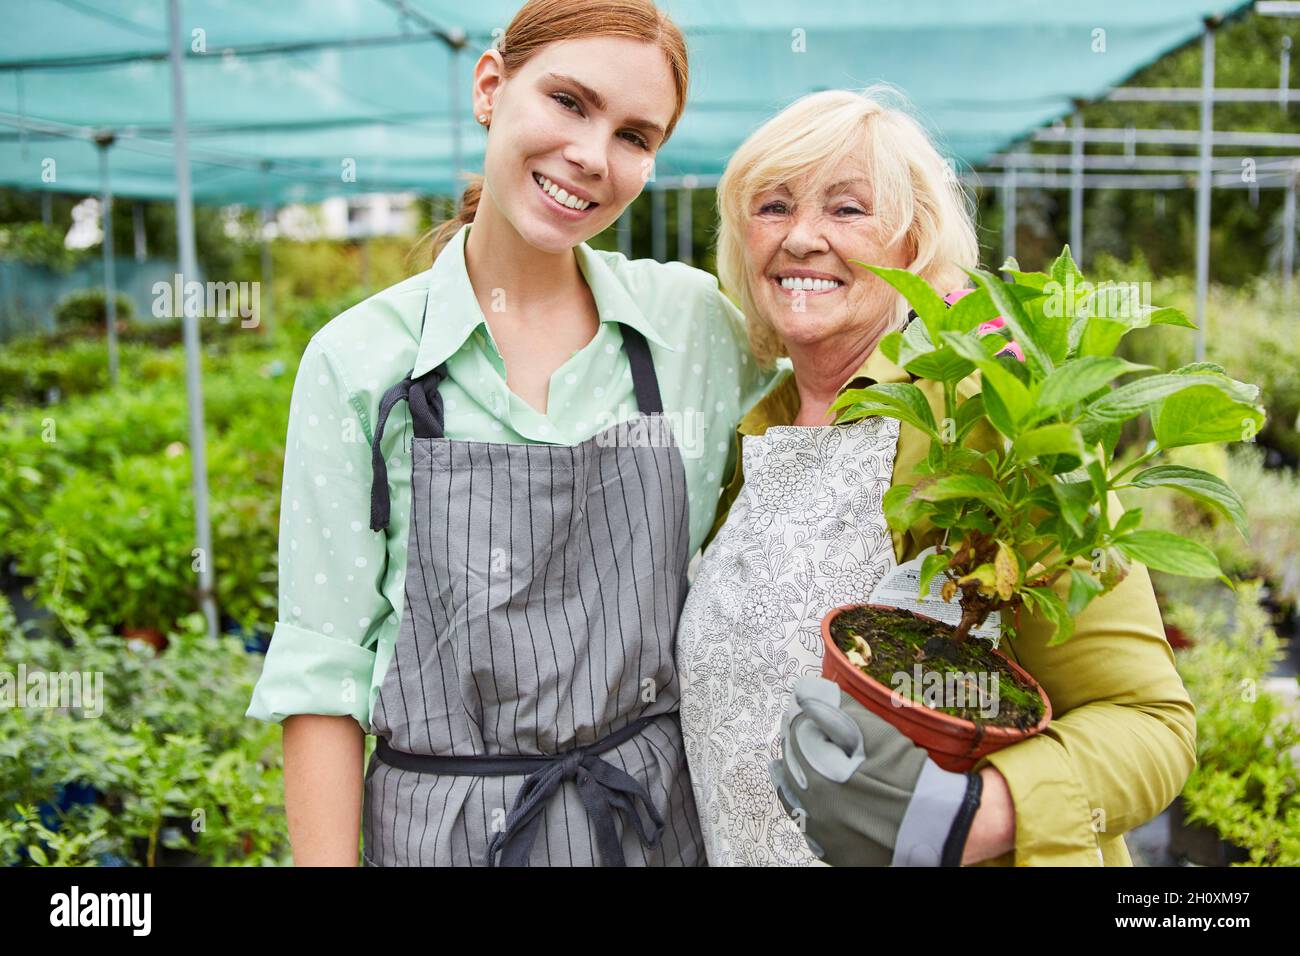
(496, 599)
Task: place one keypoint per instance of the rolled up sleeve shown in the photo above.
(331, 565)
(1122, 740)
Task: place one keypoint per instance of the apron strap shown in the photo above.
(644, 380)
(428, 420)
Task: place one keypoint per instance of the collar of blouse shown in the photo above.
(781, 404)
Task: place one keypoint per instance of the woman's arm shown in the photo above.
(317, 675)
(322, 788)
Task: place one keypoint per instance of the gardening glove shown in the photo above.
(861, 791)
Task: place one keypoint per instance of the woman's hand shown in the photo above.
(865, 795)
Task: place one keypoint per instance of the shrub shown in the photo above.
(86, 307)
(1246, 783)
(37, 244)
(1271, 549)
(177, 768)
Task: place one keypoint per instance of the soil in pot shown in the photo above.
(900, 642)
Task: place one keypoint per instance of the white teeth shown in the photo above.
(804, 284)
(559, 195)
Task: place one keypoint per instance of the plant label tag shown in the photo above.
(899, 587)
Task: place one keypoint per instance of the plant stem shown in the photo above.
(1135, 463)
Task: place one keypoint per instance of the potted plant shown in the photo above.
(1038, 506)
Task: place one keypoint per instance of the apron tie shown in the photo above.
(603, 789)
(427, 416)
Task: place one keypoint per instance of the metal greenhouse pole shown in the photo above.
(1009, 214)
(685, 232)
(658, 224)
(193, 367)
(1204, 185)
(264, 219)
(1076, 186)
(104, 141)
(625, 232)
(1288, 234)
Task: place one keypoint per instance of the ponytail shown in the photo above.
(433, 241)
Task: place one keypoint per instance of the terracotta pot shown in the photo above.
(150, 635)
(953, 743)
(1199, 844)
(1176, 637)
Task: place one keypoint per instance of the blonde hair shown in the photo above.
(915, 192)
(540, 22)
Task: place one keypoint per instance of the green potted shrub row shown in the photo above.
(181, 775)
(1241, 803)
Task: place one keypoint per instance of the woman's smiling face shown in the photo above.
(799, 238)
(582, 116)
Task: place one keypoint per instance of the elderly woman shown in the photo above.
(840, 176)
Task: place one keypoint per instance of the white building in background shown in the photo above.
(377, 214)
(86, 229)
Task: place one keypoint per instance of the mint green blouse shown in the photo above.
(341, 584)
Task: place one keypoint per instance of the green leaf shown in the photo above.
(1204, 414)
(902, 511)
(927, 303)
(1054, 610)
(1169, 316)
(1131, 399)
(1034, 280)
(1011, 309)
(1129, 520)
(961, 486)
(1015, 397)
(1060, 439)
(941, 365)
(1076, 380)
(932, 565)
(901, 400)
(889, 346)
(970, 311)
(1083, 588)
(1073, 499)
(998, 414)
(1200, 485)
(1101, 336)
(1171, 553)
(1064, 269)
(969, 414)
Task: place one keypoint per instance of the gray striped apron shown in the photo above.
(529, 715)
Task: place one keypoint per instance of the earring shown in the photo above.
(482, 118)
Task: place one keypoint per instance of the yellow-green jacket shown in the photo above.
(1122, 740)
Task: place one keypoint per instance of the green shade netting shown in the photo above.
(274, 116)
